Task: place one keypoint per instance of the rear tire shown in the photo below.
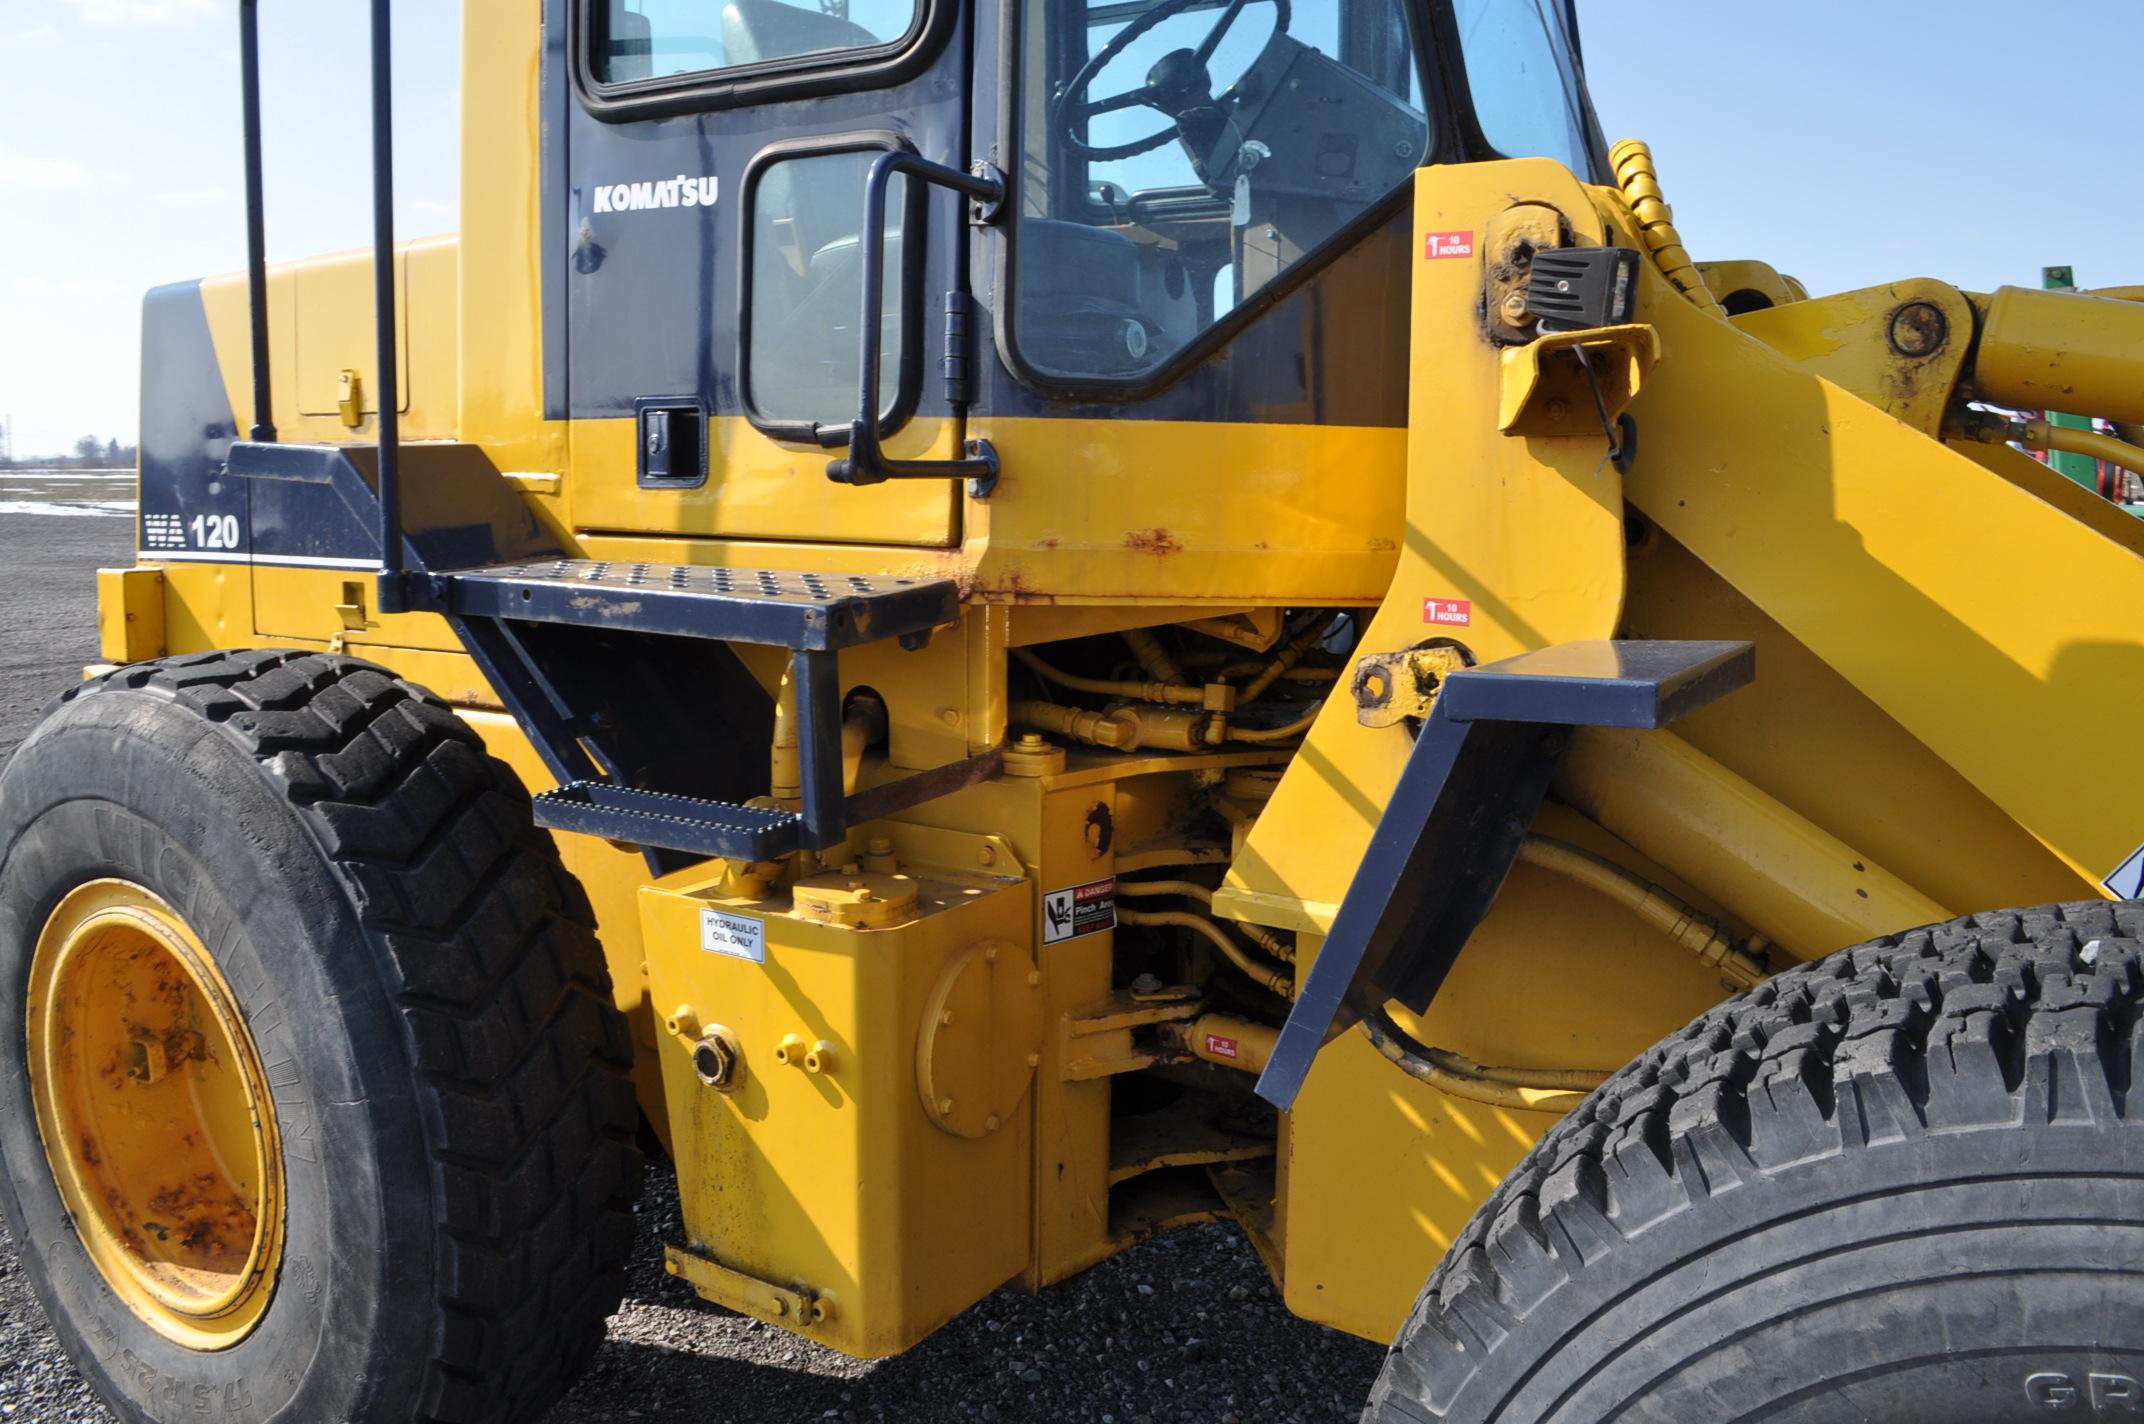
(420, 979)
(1902, 1183)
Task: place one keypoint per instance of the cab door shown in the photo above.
(708, 160)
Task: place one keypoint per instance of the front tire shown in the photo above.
(1905, 1182)
(330, 852)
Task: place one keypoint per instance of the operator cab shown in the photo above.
(1173, 172)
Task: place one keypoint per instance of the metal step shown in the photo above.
(804, 611)
(665, 822)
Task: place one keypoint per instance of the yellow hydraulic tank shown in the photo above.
(858, 1057)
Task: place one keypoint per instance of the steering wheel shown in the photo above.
(1178, 83)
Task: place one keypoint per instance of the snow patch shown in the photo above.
(94, 509)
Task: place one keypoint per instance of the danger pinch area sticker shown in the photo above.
(1079, 910)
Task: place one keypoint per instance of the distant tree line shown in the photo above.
(90, 452)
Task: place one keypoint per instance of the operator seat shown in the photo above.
(758, 30)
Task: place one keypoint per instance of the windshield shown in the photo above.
(1523, 74)
(1180, 155)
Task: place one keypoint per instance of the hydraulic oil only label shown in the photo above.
(1447, 244)
(738, 936)
(1456, 612)
(1078, 910)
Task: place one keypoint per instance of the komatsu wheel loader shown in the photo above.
(1001, 625)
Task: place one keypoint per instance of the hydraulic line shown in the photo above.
(1268, 975)
(1700, 934)
(1102, 687)
(1154, 657)
(1287, 658)
(1528, 1089)
(1559, 1089)
(1640, 180)
(1123, 727)
(1259, 935)
(2046, 435)
(1257, 735)
(1294, 674)
(1990, 428)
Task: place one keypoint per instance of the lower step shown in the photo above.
(665, 822)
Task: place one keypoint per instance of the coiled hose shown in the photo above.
(1640, 182)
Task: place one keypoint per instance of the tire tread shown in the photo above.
(488, 950)
(1992, 1020)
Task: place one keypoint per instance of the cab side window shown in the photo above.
(805, 276)
(660, 39)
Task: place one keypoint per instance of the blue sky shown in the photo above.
(1848, 143)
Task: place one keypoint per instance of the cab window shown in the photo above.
(660, 39)
(1523, 79)
(805, 279)
(1181, 155)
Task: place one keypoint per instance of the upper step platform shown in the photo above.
(807, 612)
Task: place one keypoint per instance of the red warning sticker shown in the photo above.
(1453, 612)
(1220, 1047)
(1447, 244)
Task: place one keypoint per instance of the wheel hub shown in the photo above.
(156, 1114)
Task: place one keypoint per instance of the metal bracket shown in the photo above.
(797, 1309)
(1477, 775)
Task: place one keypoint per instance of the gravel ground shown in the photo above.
(1186, 1327)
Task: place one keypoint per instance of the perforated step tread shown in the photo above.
(666, 822)
(811, 612)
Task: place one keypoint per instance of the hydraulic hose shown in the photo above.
(1287, 658)
(1989, 428)
(1560, 1089)
(1153, 657)
(1259, 735)
(1162, 692)
(1259, 935)
(1269, 976)
(1527, 1089)
(1640, 181)
(1122, 727)
(2046, 435)
(1700, 934)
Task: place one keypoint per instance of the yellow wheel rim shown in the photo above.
(156, 1115)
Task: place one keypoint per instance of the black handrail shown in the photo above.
(866, 462)
(249, 88)
(393, 596)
